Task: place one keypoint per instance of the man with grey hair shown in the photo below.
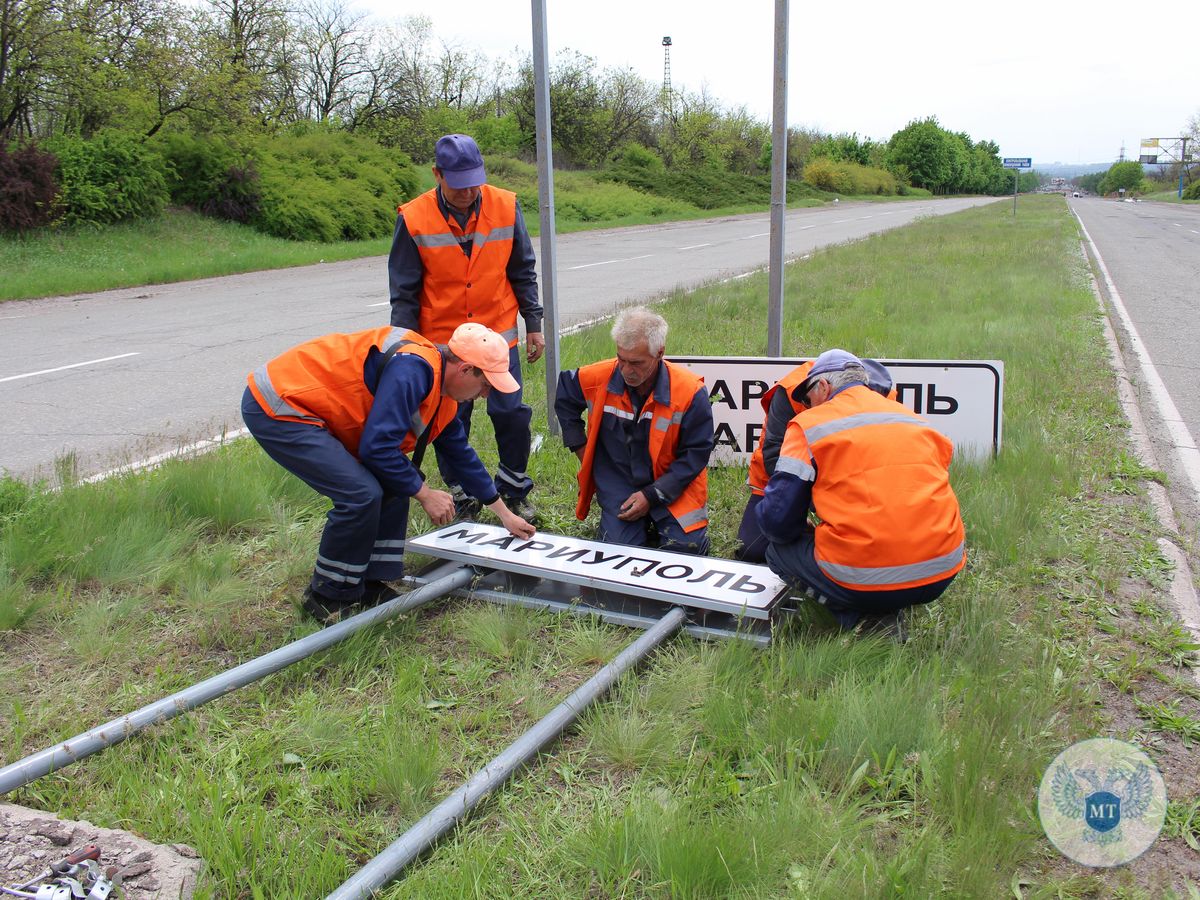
(645, 447)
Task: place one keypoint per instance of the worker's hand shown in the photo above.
(579, 453)
(438, 505)
(634, 508)
(510, 520)
(535, 346)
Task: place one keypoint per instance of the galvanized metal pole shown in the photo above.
(388, 864)
(545, 163)
(778, 183)
(42, 763)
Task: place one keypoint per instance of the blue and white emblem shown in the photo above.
(1102, 802)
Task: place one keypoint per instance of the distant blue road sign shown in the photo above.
(1017, 162)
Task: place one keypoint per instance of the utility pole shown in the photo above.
(668, 101)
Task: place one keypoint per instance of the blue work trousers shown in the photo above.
(752, 543)
(510, 420)
(796, 562)
(364, 533)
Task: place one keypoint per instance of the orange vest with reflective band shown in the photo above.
(320, 382)
(757, 477)
(690, 508)
(456, 288)
(881, 487)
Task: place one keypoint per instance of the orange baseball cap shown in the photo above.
(483, 348)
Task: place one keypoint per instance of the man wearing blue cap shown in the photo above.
(461, 253)
(889, 534)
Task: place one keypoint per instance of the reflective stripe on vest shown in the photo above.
(931, 569)
(858, 420)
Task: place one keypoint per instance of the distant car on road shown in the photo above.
(1076, 194)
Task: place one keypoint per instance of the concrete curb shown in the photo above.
(1182, 591)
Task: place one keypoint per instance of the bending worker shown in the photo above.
(781, 404)
(461, 253)
(889, 534)
(342, 411)
(644, 452)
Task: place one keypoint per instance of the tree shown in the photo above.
(1127, 175)
(928, 154)
(332, 58)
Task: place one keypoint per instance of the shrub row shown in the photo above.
(317, 186)
(703, 187)
(849, 178)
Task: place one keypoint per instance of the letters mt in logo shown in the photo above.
(1102, 802)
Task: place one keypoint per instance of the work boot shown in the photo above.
(377, 592)
(523, 508)
(466, 507)
(324, 609)
(892, 625)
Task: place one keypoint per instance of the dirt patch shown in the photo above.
(31, 840)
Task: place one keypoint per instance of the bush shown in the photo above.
(111, 177)
(211, 177)
(849, 178)
(706, 188)
(330, 186)
(27, 187)
(1192, 191)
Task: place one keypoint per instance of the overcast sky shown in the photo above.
(1054, 80)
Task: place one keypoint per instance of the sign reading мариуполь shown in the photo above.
(705, 582)
(1102, 802)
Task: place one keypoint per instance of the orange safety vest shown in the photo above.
(457, 288)
(690, 507)
(320, 382)
(881, 487)
(757, 477)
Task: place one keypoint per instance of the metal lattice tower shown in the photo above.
(667, 95)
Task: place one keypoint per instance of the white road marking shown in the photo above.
(806, 227)
(197, 449)
(752, 236)
(90, 362)
(14, 317)
(1193, 231)
(695, 246)
(1181, 439)
(384, 303)
(608, 262)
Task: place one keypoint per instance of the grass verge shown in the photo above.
(824, 766)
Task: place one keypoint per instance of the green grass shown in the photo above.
(824, 766)
(180, 245)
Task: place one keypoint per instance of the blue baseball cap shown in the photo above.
(833, 361)
(879, 379)
(460, 162)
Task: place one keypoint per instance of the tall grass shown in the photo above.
(824, 766)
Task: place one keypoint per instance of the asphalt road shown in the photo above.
(1152, 253)
(117, 376)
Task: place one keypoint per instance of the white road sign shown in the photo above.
(963, 399)
(704, 582)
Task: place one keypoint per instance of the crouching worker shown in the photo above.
(343, 412)
(644, 451)
(781, 404)
(889, 534)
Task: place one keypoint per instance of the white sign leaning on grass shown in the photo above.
(963, 399)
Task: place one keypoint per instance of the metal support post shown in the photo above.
(388, 864)
(778, 183)
(42, 763)
(545, 164)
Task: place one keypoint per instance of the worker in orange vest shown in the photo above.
(344, 412)
(644, 450)
(889, 534)
(461, 253)
(781, 404)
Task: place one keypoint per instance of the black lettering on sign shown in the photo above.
(724, 437)
(747, 586)
(534, 545)
(752, 390)
(601, 558)
(753, 436)
(721, 393)
(573, 555)
(501, 542)
(724, 577)
(935, 407)
(903, 388)
(662, 571)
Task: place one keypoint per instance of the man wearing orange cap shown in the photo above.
(343, 412)
(461, 253)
